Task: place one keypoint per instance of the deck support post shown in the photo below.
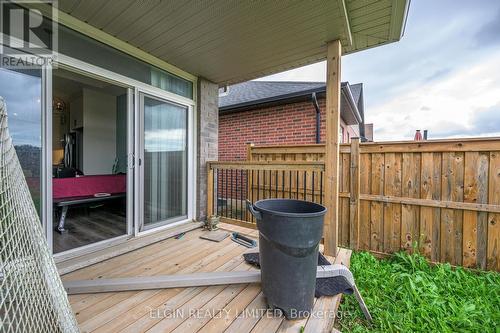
(210, 191)
(334, 53)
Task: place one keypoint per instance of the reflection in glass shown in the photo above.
(21, 91)
(165, 161)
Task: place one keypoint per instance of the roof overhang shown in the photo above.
(353, 116)
(233, 41)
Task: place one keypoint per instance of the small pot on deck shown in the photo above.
(212, 222)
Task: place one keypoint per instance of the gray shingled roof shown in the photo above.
(261, 91)
(252, 93)
(357, 95)
(356, 90)
(256, 91)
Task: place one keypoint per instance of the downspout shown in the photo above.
(362, 130)
(318, 117)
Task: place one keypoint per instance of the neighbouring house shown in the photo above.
(277, 113)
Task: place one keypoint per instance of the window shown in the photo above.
(78, 46)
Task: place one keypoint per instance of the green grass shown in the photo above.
(406, 294)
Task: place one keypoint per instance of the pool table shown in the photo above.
(84, 191)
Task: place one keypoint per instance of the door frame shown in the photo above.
(140, 228)
(46, 167)
(75, 252)
(130, 162)
(135, 86)
(46, 142)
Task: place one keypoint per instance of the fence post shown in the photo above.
(249, 151)
(210, 190)
(354, 195)
(250, 145)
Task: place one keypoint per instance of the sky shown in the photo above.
(443, 76)
(22, 94)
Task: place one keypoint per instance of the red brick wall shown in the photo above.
(293, 123)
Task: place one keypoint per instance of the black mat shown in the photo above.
(324, 286)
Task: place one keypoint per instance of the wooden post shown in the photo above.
(334, 52)
(249, 151)
(210, 191)
(249, 217)
(354, 195)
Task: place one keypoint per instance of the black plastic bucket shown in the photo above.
(289, 236)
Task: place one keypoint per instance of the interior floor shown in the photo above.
(87, 225)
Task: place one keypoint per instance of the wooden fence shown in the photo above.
(441, 196)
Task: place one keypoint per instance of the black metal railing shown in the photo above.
(236, 182)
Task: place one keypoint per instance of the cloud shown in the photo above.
(438, 74)
(463, 103)
(484, 122)
(22, 94)
(419, 82)
(314, 72)
(489, 33)
(160, 140)
(488, 120)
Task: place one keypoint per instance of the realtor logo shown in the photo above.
(28, 33)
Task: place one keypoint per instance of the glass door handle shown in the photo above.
(130, 161)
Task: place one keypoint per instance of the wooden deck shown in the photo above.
(233, 308)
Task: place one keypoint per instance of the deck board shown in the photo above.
(198, 309)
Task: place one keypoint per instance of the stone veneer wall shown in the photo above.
(207, 119)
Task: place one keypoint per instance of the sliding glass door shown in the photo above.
(92, 142)
(164, 161)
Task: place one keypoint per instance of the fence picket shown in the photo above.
(344, 179)
(364, 206)
(471, 179)
(452, 219)
(410, 224)
(377, 216)
(426, 213)
(493, 261)
(392, 211)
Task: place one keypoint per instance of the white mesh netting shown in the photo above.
(32, 297)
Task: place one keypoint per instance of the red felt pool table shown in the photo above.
(85, 190)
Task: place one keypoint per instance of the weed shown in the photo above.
(406, 294)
